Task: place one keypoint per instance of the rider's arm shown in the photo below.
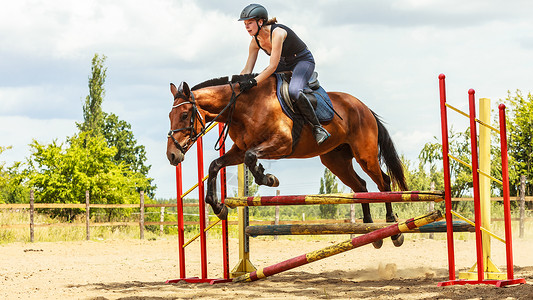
(253, 50)
(278, 36)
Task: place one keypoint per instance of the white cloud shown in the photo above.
(19, 132)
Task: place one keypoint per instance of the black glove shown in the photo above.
(247, 84)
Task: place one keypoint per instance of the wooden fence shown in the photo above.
(141, 222)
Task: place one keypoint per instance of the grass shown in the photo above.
(78, 233)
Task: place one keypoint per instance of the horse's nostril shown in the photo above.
(172, 157)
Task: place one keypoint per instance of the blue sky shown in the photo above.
(386, 53)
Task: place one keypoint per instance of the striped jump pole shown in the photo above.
(341, 247)
(348, 228)
(367, 197)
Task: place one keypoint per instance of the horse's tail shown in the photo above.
(388, 154)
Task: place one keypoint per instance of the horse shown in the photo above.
(260, 129)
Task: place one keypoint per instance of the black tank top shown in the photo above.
(292, 44)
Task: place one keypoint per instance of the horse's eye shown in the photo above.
(184, 116)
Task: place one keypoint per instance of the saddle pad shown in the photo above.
(323, 110)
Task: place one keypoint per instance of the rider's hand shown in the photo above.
(247, 84)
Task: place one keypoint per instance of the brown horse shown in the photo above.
(261, 130)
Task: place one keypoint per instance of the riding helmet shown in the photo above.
(254, 11)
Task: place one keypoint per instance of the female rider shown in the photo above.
(287, 53)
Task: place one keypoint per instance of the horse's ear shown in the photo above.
(173, 89)
(184, 89)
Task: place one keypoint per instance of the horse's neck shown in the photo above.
(213, 100)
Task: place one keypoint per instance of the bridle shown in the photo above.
(196, 116)
(193, 135)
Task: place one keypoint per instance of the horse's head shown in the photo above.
(186, 123)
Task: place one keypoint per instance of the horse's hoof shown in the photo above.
(272, 180)
(392, 219)
(377, 244)
(223, 214)
(397, 240)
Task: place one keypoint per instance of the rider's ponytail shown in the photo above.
(271, 21)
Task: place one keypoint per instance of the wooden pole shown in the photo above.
(141, 216)
(352, 217)
(340, 247)
(347, 228)
(484, 183)
(32, 225)
(162, 219)
(87, 216)
(367, 197)
(431, 206)
(276, 220)
(522, 204)
(447, 176)
(244, 265)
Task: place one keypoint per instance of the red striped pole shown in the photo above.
(225, 250)
(475, 184)
(506, 193)
(340, 247)
(201, 207)
(367, 197)
(447, 178)
(181, 227)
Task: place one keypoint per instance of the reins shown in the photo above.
(193, 135)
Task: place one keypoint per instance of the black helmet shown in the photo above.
(254, 11)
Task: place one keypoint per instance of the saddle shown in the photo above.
(317, 96)
(314, 92)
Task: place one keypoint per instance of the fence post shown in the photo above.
(31, 216)
(522, 203)
(276, 219)
(87, 216)
(162, 219)
(352, 217)
(431, 205)
(141, 216)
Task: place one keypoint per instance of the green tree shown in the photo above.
(519, 114)
(13, 188)
(420, 179)
(118, 134)
(61, 173)
(328, 185)
(93, 117)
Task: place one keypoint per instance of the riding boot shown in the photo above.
(305, 107)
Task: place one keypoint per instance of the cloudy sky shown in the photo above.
(387, 53)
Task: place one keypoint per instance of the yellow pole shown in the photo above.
(244, 265)
(491, 271)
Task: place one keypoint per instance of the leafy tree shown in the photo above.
(12, 182)
(519, 114)
(93, 117)
(62, 173)
(116, 132)
(420, 179)
(328, 185)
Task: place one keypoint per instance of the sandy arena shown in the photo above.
(133, 269)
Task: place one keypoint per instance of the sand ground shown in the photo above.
(134, 269)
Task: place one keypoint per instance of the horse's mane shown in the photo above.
(222, 81)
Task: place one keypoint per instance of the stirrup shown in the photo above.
(321, 134)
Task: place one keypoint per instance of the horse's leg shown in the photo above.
(370, 164)
(233, 157)
(339, 162)
(257, 170)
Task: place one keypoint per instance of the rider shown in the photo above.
(287, 53)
